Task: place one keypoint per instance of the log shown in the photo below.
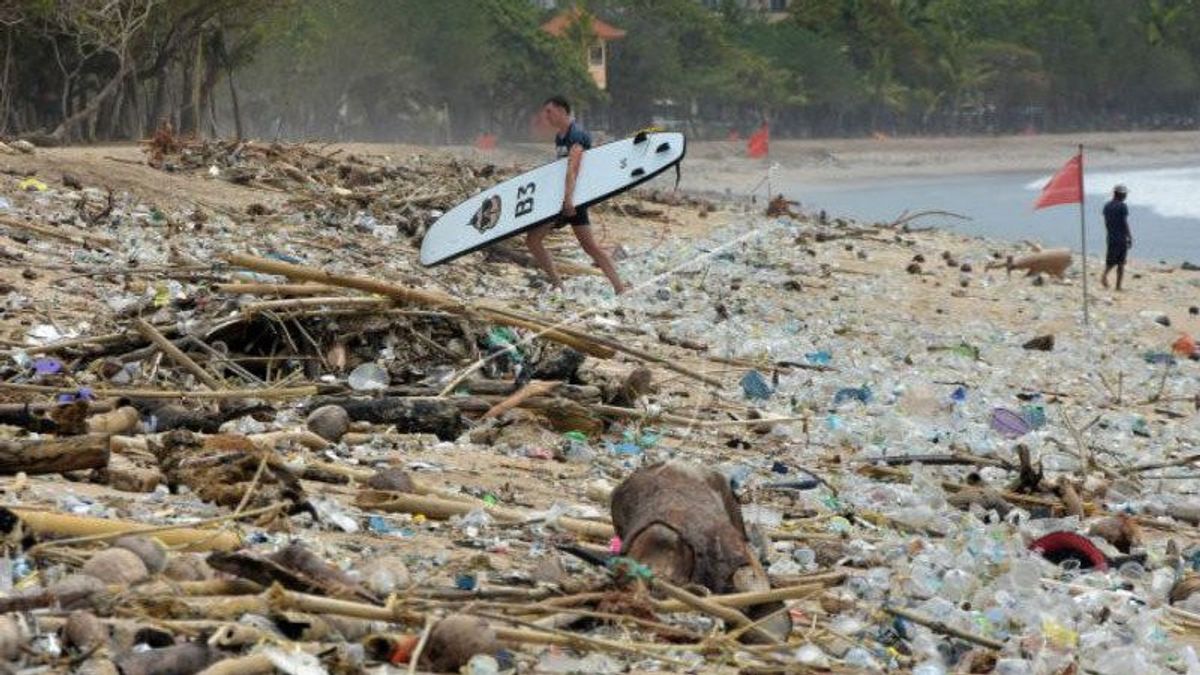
(409, 415)
(54, 455)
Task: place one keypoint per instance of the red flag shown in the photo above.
(1066, 187)
(756, 147)
(486, 142)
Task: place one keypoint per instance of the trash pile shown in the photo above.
(278, 444)
(385, 198)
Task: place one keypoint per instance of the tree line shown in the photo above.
(446, 71)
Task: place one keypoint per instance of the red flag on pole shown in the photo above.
(756, 146)
(1066, 187)
(486, 142)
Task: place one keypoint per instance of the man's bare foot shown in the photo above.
(1104, 282)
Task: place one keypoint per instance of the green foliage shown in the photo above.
(437, 70)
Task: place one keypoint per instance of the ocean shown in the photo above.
(1164, 205)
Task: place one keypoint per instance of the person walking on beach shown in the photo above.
(570, 141)
(1120, 239)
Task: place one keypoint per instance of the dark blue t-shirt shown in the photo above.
(575, 136)
(1116, 221)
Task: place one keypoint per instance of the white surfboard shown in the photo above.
(535, 197)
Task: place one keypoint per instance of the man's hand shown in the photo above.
(568, 208)
(1130, 243)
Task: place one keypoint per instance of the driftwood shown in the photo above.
(171, 416)
(409, 415)
(293, 566)
(415, 297)
(54, 455)
(184, 659)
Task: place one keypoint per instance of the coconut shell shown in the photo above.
(83, 631)
(13, 635)
(1121, 531)
(152, 553)
(330, 422)
(1184, 588)
(188, 567)
(391, 480)
(116, 566)
(455, 639)
(75, 591)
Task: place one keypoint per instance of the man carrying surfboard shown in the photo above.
(570, 141)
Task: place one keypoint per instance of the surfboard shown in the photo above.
(536, 196)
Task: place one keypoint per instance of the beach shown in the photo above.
(878, 356)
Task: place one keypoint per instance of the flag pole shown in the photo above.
(1083, 237)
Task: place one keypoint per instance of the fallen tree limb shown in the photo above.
(54, 455)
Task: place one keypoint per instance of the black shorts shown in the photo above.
(580, 218)
(1116, 255)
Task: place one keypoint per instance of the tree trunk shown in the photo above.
(6, 97)
(89, 111)
(54, 455)
(189, 110)
(233, 97)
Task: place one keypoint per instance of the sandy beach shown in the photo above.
(874, 342)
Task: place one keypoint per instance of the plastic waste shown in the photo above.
(755, 386)
(369, 377)
(860, 394)
(819, 358)
(1009, 424)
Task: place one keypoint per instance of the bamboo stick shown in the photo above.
(65, 525)
(177, 355)
(334, 302)
(80, 239)
(748, 599)
(413, 296)
(725, 613)
(281, 393)
(441, 508)
(535, 388)
(252, 288)
(98, 340)
(616, 346)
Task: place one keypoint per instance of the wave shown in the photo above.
(1170, 193)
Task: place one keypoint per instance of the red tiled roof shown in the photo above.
(559, 24)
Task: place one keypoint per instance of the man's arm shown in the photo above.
(574, 158)
(1128, 230)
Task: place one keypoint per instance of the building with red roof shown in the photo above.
(599, 34)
